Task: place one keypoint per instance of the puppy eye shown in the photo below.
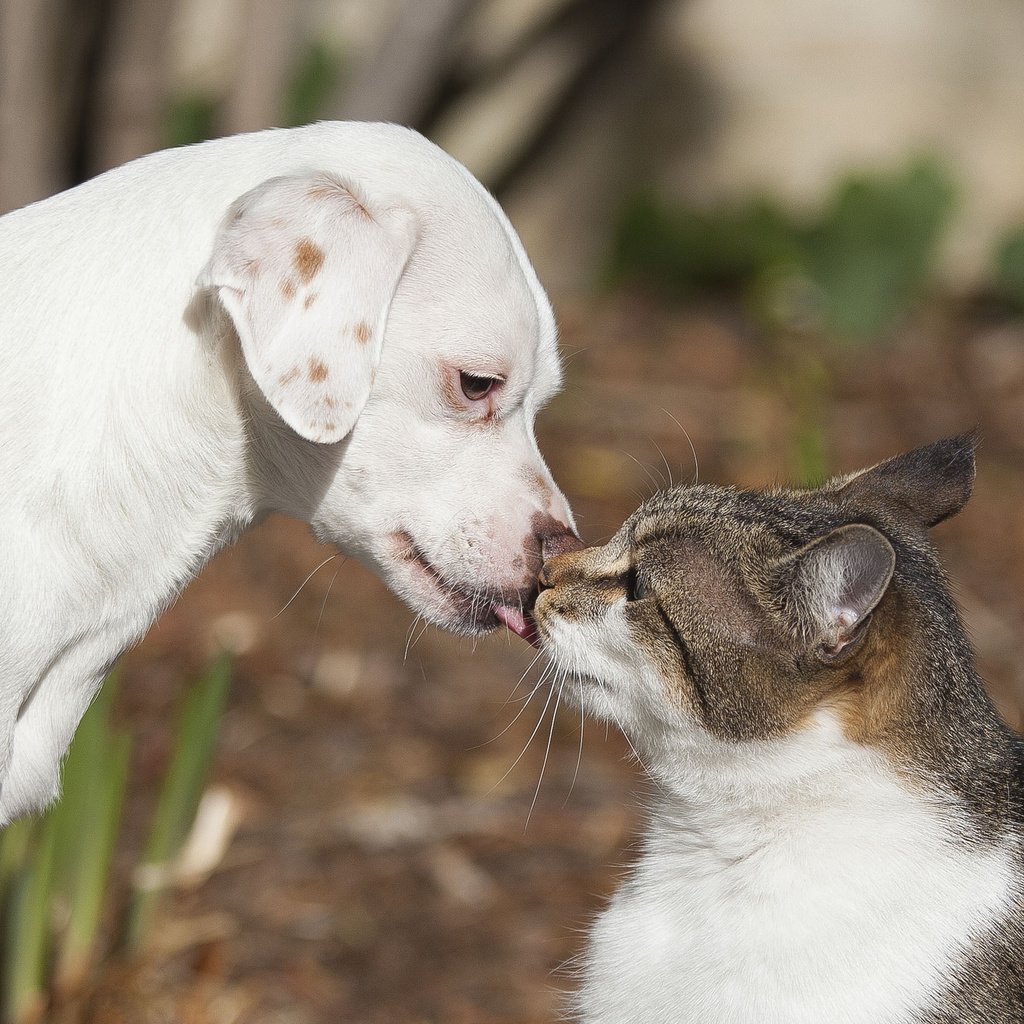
(476, 387)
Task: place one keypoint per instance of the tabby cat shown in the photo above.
(837, 835)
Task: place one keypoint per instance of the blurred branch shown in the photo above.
(83, 37)
(270, 40)
(78, 90)
(400, 81)
(30, 145)
(129, 96)
(602, 31)
(504, 118)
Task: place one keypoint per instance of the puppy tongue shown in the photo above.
(518, 621)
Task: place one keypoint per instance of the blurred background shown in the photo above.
(784, 238)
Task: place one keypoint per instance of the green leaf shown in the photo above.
(874, 247)
(190, 118)
(1009, 268)
(854, 269)
(183, 786)
(27, 931)
(681, 250)
(314, 81)
(86, 880)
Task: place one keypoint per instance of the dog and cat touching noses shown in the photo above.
(338, 323)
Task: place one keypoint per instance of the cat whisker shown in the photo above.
(689, 441)
(668, 468)
(547, 751)
(526, 672)
(579, 758)
(648, 472)
(526, 746)
(519, 714)
(545, 675)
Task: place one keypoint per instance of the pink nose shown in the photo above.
(550, 537)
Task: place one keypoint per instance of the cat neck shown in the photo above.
(719, 790)
(817, 764)
(803, 874)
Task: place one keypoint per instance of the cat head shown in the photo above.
(737, 614)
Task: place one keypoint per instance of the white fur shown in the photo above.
(795, 881)
(136, 440)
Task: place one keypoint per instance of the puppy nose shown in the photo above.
(549, 537)
(557, 540)
(545, 580)
(560, 543)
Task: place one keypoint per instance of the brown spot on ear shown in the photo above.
(317, 371)
(362, 332)
(329, 427)
(309, 300)
(251, 267)
(286, 378)
(308, 259)
(329, 401)
(288, 288)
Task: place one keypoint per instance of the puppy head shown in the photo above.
(400, 352)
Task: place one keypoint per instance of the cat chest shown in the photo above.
(851, 918)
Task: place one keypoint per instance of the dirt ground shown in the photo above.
(409, 851)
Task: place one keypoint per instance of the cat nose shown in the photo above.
(556, 567)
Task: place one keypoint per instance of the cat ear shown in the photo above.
(930, 483)
(836, 582)
(306, 267)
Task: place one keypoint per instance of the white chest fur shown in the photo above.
(850, 900)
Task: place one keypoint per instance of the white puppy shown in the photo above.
(334, 322)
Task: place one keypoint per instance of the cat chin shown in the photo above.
(602, 687)
(634, 702)
(598, 699)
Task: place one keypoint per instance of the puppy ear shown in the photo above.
(928, 484)
(834, 584)
(307, 268)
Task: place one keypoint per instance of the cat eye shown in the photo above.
(636, 589)
(476, 386)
